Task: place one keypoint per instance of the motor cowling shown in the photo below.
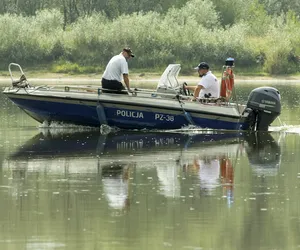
(263, 107)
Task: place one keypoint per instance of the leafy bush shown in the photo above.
(185, 35)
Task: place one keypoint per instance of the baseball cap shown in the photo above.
(129, 51)
(202, 65)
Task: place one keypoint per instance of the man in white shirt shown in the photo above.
(115, 69)
(208, 87)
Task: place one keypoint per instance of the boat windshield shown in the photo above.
(169, 78)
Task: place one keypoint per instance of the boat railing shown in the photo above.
(145, 93)
(135, 92)
(22, 81)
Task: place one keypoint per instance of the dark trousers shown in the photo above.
(113, 85)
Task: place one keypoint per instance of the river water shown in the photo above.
(75, 188)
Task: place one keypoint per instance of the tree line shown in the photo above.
(74, 9)
(229, 11)
(81, 35)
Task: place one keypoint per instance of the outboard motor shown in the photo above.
(263, 107)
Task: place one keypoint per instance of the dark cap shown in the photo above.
(202, 65)
(129, 51)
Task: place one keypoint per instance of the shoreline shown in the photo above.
(152, 79)
(142, 78)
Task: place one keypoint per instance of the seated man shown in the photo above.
(208, 87)
(115, 69)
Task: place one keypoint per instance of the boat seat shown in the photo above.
(218, 100)
(21, 83)
(111, 91)
(167, 92)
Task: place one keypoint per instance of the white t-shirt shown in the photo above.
(209, 174)
(116, 67)
(168, 177)
(116, 191)
(210, 84)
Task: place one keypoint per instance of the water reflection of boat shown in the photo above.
(205, 161)
(91, 143)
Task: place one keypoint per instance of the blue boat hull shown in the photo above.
(167, 107)
(127, 116)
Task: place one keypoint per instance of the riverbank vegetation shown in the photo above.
(80, 36)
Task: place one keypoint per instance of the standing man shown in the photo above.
(208, 87)
(115, 69)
